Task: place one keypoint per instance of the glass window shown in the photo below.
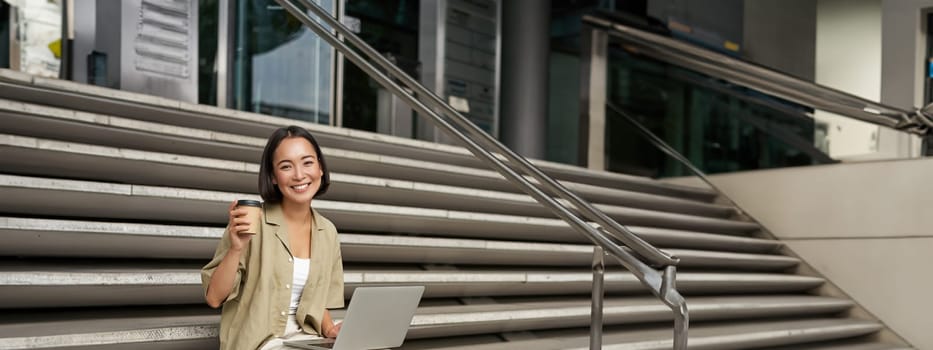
(280, 67)
(391, 28)
(718, 126)
(208, 17)
(4, 35)
(38, 31)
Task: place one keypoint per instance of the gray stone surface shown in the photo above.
(737, 335)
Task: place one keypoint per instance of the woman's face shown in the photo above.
(297, 170)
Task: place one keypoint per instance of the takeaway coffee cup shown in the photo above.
(253, 212)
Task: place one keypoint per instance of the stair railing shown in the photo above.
(643, 259)
(917, 122)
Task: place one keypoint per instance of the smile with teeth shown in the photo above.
(300, 188)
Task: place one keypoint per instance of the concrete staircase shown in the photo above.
(113, 201)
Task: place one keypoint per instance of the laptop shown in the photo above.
(377, 318)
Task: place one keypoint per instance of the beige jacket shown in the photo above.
(257, 308)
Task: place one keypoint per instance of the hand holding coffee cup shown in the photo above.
(244, 221)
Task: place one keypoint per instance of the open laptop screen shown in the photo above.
(378, 317)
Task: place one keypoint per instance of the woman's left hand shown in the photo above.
(333, 331)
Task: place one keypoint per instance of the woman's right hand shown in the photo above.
(239, 223)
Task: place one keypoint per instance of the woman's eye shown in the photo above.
(285, 167)
(309, 163)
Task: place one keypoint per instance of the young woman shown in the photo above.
(278, 284)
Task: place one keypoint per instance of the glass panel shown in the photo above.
(208, 16)
(280, 67)
(718, 126)
(4, 35)
(391, 28)
(38, 31)
(563, 131)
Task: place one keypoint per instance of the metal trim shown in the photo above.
(593, 89)
(226, 12)
(337, 75)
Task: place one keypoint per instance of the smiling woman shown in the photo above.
(283, 146)
(279, 284)
(297, 170)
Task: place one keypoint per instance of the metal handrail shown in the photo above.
(766, 80)
(661, 284)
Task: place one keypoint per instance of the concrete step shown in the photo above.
(417, 249)
(175, 327)
(468, 282)
(436, 321)
(68, 126)
(844, 345)
(703, 336)
(80, 97)
(37, 237)
(198, 325)
(34, 283)
(43, 157)
(27, 195)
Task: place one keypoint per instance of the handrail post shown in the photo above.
(596, 314)
(672, 298)
(926, 145)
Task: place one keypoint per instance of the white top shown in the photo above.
(299, 278)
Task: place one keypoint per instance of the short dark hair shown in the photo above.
(267, 189)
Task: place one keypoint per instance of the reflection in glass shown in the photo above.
(718, 126)
(207, 51)
(281, 68)
(391, 28)
(4, 35)
(37, 29)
